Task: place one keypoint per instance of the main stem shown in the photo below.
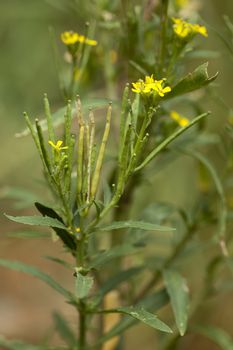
(163, 41)
(82, 306)
(82, 326)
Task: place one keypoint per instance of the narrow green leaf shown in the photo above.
(193, 81)
(179, 296)
(60, 262)
(120, 277)
(31, 270)
(134, 224)
(139, 68)
(106, 256)
(217, 335)
(153, 302)
(219, 188)
(145, 317)
(64, 330)
(68, 239)
(36, 220)
(83, 285)
(168, 140)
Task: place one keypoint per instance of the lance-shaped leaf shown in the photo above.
(147, 226)
(116, 252)
(144, 316)
(36, 220)
(118, 278)
(178, 293)
(168, 140)
(83, 285)
(64, 330)
(221, 232)
(193, 81)
(153, 302)
(65, 236)
(31, 270)
(217, 335)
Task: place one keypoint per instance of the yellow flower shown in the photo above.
(182, 121)
(149, 80)
(200, 29)
(71, 38)
(57, 146)
(150, 86)
(157, 86)
(138, 87)
(90, 42)
(184, 29)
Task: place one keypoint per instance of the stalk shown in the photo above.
(80, 154)
(163, 33)
(99, 162)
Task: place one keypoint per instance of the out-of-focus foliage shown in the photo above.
(187, 186)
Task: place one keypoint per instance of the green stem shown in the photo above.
(82, 327)
(80, 261)
(163, 40)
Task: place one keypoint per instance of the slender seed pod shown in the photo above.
(124, 113)
(85, 162)
(68, 174)
(34, 134)
(123, 164)
(90, 153)
(42, 146)
(68, 119)
(80, 152)
(49, 119)
(99, 162)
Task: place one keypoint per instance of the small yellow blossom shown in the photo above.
(77, 229)
(150, 85)
(90, 42)
(184, 29)
(57, 146)
(200, 29)
(71, 38)
(182, 121)
(138, 87)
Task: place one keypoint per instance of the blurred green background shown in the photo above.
(27, 70)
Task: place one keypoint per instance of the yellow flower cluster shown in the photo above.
(182, 121)
(71, 38)
(57, 146)
(150, 85)
(184, 29)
